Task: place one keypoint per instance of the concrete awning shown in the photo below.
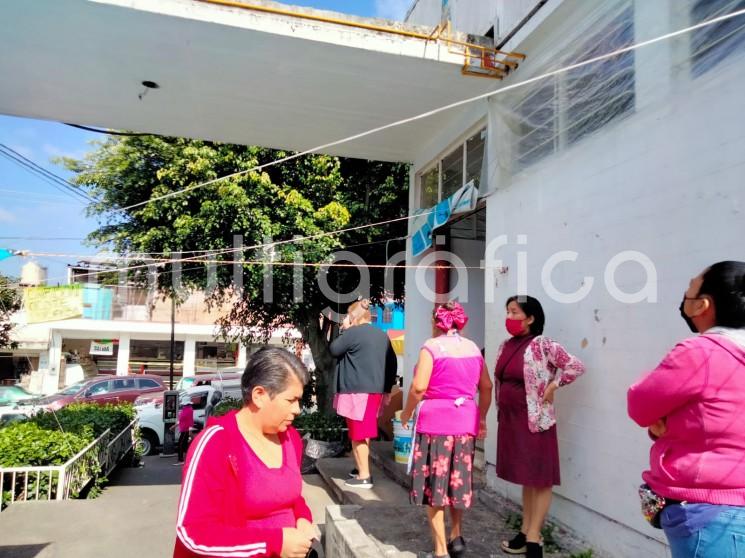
(226, 74)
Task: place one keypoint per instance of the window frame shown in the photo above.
(462, 144)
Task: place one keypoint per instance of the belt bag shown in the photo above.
(652, 505)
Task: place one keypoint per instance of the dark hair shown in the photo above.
(724, 282)
(271, 368)
(531, 307)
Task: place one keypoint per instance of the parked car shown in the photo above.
(205, 378)
(203, 398)
(10, 395)
(104, 389)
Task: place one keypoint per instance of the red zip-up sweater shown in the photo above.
(232, 504)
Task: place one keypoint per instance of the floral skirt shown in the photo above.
(441, 472)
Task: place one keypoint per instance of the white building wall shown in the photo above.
(665, 181)
(467, 16)
(472, 254)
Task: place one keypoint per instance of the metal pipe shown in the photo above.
(522, 23)
(312, 17)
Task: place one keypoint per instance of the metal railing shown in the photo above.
(61, 482)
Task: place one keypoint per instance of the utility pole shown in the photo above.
(170, 397)
(173, 340)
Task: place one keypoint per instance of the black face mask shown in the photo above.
(688, 320)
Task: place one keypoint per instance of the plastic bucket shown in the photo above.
(401, 442)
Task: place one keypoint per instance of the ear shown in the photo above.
(259, 396)
(531, 319)
(702, 306)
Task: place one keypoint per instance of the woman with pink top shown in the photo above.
(693, 404)
(241, 489)
(449, 372)
(530, 368)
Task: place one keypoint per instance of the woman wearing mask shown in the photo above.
(530, 368)
(366, 370)
(448, 373)
(693, 404)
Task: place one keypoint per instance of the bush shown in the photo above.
(320, 427)
(28, 444)
(226, 405)
(327, 428)
(52, 438)
(77, 417)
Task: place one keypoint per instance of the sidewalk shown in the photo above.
(392, 527)
(134, 517)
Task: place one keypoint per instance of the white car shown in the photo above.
(203, 399)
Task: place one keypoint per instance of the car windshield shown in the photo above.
(186, 382)
(73, 389)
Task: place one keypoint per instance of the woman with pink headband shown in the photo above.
(449, 372)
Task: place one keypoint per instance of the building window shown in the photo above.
(537, 136)
(714, 43)
(562, 110)
(475, 157)
(453, 171)
(429, 188)
(599, 93)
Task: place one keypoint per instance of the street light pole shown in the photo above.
(173, 341)
(170, 397)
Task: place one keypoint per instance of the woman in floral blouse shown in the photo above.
(529, 370)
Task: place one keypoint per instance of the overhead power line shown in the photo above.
(50, 177)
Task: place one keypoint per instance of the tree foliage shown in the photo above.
(307, 197)
(10, 303)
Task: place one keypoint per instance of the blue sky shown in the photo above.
(36, 216)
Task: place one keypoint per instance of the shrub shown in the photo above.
(77, 417)
(226, 405)
(28, 444)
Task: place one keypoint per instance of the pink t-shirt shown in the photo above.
(448, 407)
(185, 418)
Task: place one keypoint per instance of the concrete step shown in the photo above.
(385, 492)
(318, 496)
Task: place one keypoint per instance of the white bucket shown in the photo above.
(401, 442)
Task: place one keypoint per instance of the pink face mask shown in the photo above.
(514, 327)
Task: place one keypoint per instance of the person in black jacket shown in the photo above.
(365, 371)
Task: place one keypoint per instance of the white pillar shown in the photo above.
(190, 356)
(122, 359)
(242, 356)
(50, 382)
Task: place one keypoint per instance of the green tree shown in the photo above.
(10, 302)
(307, 196)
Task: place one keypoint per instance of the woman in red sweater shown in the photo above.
(241, 489)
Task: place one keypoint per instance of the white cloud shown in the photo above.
(6, 216)
(392, 9)
(23, 150)
(54, 151)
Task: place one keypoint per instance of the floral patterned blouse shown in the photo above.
(545, 362)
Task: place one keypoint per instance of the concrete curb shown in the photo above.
(344, 536)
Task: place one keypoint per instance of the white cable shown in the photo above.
(446, 107)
